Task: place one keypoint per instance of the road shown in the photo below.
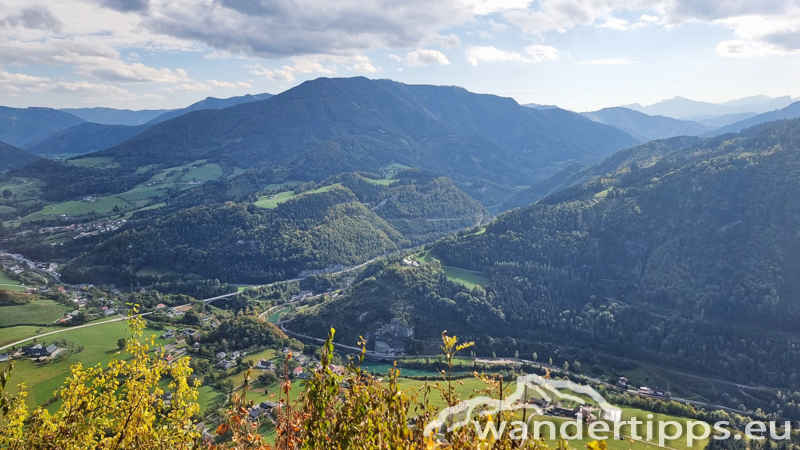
(69, 329)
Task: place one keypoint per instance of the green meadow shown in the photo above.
(41, 312)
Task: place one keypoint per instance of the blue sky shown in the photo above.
(578, 54)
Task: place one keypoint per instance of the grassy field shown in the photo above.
(39, 312)
(151, 271)
(390, 170)
(266, 202)
(138, 198)
(382, 182)
(98, 342)
(95, 161)
(14, 334)
(10, 284)
(466, 277)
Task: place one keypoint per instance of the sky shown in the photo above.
(581, 55)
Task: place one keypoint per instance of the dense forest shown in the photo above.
(352, 222)
(682, 253)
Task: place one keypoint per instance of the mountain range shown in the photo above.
(789, 112)
(111, 116)
(95, 136)
(328, 126)
(646, 127)
(24, 126)
(684, 108)
(14, 158)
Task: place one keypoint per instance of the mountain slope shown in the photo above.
(13, 158)
(644, 127)
(684, 108)
(328, 126)
(111, 116)
(789, 112)
(86, 138)
(22, 127)
(208, 103)
(682, 253)
(346, 223)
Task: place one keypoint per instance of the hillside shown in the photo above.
(328, 126)
(341, 224)
(644, 127)
(112, 116)
(86, 138)
(208, 103)
(683, 253)
(14, 158)
(23, 127)
(789, 112)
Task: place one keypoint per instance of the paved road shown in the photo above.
(69, 329)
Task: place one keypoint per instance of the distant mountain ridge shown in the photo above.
(684, 108)
(112, 116)
(13, 158)
(86, 138)
(93, 137)
(208, 103)
(24, 126)
(789, 112)
(645, 127)
(328, 126)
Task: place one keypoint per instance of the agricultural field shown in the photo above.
(139, 198)
(14, 334)
(266, 202)
(98, 344)
(10, 284)
(40, 312)
(96, 161)
(468, 278)
(382, 182)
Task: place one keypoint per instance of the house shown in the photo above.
(179, 310)
(167, 399)
(585, 414)
(265, 365)
(390, 348)
(660, 392)
(169, 334)
(196, 345)
(338, 370)
(37, 351)
(541, 403)
(305, 376)
(3, 357)
(559, 410)
(254, 413)
(221, 355)
(161, 306)
(110, 312)
(269, 406)
(623, 381)
(303, 359)
(297, 371)
(235, 355)
(644, 390)
(225, 364)
(286, 350)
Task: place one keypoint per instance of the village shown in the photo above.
(85, 229)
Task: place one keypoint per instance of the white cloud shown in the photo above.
(606, 62)
(207, 86)
(396, 57)
(497, 27)
(541, 53)
(489, 53)
(535, 53)
(21, 84)
(321, 64)
(616, 24)
(426, 57)
(483, 34)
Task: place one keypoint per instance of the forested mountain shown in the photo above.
(351, 222)
(21, 127)
(86, 138)
(683, 253)
(644, 127)
(14, 158)
(208, 103)
(328, 126)
(112, 116)
(789, 112)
